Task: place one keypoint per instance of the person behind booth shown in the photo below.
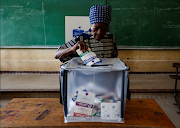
(98, 38)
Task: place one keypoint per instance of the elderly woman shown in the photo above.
(98, 39)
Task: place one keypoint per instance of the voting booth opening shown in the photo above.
(95, 93)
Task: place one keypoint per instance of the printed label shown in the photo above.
(84, 105)
(82, 115)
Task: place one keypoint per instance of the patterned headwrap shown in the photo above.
(100, 14)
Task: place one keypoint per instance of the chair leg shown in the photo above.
(175, 89)
(175, 92)
(128, 91)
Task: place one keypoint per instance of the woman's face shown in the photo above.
(99, 30)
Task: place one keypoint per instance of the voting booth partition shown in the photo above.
(95, 93)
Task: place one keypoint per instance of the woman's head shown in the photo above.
(100, 17)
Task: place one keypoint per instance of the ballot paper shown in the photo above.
(84, 104)
(97, 106)
(75, 93)
(88, 57)
(110, 111)
(96, 109)
(98, 101)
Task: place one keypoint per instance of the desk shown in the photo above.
(48, 112)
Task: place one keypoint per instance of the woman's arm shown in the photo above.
(61, 53)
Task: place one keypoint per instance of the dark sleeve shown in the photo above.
(70, 56)
(67, 45)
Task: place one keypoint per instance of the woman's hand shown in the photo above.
(81, 45)
(61, 53)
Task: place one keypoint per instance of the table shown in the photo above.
(48, 112)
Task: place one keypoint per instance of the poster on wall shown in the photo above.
(75, 25)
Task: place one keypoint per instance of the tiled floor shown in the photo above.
(30, 81)
(152, 81)
(170, 110)
(51, 81)
(137, 81)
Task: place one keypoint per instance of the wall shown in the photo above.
(150, 60)
(29, 60)
(43, 60)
